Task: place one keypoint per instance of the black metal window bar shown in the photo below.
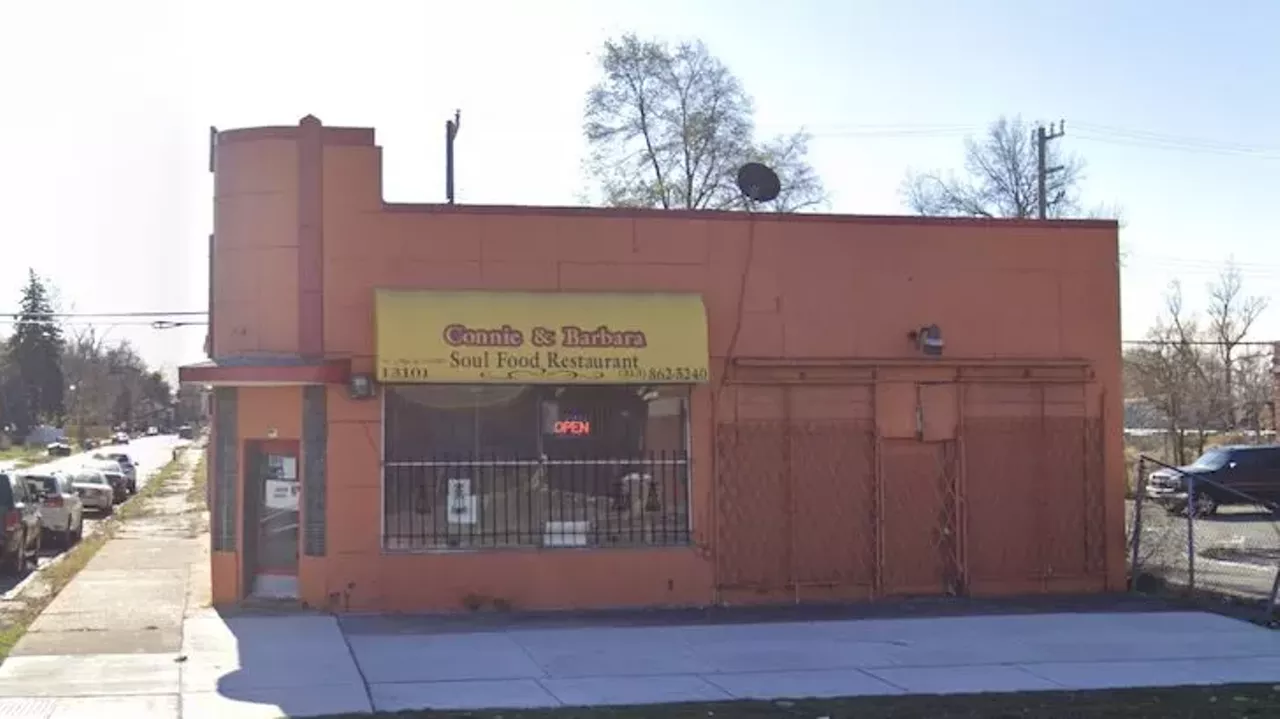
(470, 501)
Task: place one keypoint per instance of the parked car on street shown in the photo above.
(1225, 475)
(59, 449)
(95, 490)
(61, 510)
(186, 432)
(115, 477)
(152, 431)
(20, 507)
(120, 438)
(128, 467)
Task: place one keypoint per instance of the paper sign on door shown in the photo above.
(282, 495)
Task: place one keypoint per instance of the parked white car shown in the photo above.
(95, 490)
(128, 467)
(61, 508)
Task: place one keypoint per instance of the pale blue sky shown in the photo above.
(103, 129)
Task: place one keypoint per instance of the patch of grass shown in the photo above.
(24, 456)
(55, 577)
(15, 628)
(137, 506)
(1223, 702)
(16, 452)
(198, 495)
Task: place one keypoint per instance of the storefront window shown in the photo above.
(474, 466)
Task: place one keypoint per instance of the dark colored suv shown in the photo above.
(1235, 474)
(20, 511)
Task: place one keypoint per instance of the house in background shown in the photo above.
(43, 435)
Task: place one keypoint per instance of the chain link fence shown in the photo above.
(1192, 535)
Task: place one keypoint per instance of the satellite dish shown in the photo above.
(758, 183)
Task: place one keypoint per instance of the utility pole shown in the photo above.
(450, 132)
(1042, 137)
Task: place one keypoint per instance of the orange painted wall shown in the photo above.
(255, 225)
(816, 287)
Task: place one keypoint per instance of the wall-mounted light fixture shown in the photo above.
(928, 340)
(361, 386)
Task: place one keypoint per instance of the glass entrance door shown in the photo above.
(278, 491)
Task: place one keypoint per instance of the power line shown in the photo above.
(1090, 132)
(90, 324)
(1197, 343)
(1146, 138)
(100, 315)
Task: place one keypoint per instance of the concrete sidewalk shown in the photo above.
(536, 667)
(303, 665)
(133, 636)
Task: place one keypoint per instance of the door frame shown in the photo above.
(252, 452)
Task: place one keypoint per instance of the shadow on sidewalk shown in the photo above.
(296, 661)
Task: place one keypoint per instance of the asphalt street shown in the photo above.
(1236, 551)
(151, 454)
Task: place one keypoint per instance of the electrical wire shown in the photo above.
(1147, 138)
(1197, 343)
(157, 324)
(153, 319)
(1087, 131)
(104, 315)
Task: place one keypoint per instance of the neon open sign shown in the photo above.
(572, 428)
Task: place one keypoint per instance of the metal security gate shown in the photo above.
(909, 488)
(1034, 486)
(818, 506)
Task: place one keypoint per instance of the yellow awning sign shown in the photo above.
(540, 337)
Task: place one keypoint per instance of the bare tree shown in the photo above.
(88, 393)
(669, 127)
(1161, 375)
(1176, 376)
(1255, 386)
(1156, 369)
(1198, 374)
(1207, 405)
(109, 385)
(1232, 315)
(1000, 179)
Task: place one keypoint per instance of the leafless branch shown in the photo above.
(670, 126)
(1000, 179)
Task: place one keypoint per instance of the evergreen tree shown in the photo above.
(11, 403)
(35, 350)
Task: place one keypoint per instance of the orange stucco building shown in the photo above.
(440, 408)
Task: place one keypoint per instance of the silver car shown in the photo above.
(95, 490)
(62, 508)
(128, 467)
